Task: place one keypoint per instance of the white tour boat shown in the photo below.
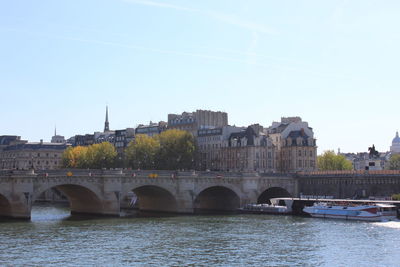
(273, 208)
(375, 212)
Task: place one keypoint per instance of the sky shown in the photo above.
(333, 63)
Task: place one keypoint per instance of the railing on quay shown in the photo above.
(348, 173)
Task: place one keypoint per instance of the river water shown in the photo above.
(52, 238)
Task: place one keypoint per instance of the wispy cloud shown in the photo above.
(235, 58)
(244, 24)
(160, 4)
(222, 17)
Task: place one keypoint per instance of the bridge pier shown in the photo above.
(18, 206)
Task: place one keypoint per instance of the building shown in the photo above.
(97, 137)
(7, 140)
(395, 147)
(59, 139)
(295, 145)
(209, 143)
(151, 129)
(106, 123)
(298, 152)
(363, 161)
(123, 138)
(199, 119)
(32, 155)
(248, 150)
(83, 140)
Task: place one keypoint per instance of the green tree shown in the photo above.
(177, 150)
(394, 162)
(329, 161)
(101, 155)
(141, 152)
(396, 197)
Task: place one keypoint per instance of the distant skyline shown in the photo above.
(333, 63)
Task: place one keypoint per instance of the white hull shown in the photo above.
(358, 218)
(371, 213)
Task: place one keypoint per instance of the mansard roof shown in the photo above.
(7, 139)
(36, 146)
(296, 134)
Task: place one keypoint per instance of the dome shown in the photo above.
(396, 139)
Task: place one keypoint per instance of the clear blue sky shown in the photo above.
(334, 63)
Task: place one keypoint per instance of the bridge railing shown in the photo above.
(138, 173)
(349, 173)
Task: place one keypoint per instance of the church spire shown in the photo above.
(55, 130)
(106, 124)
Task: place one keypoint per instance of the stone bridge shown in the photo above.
(101, 191)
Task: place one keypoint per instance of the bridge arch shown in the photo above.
(154, 198)
(82, 199)
(5, 206)
(272, 192)
(216, 198)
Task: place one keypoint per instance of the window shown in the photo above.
(299, 153)
(300, 163)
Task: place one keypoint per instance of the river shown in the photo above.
(53, 237)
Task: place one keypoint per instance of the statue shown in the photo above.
(372, 152)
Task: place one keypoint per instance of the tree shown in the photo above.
(75, 157)
(329, 161)
(141, 152)
(94, 156)
(394, 162)
(177, 150)
(396, 197)
(101, 155)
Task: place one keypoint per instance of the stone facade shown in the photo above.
(200, 119)
(123, 138)
(39, 155)
(210, 142)
(248, 150)
(151, 129)
(298, 153)
(296, 148)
